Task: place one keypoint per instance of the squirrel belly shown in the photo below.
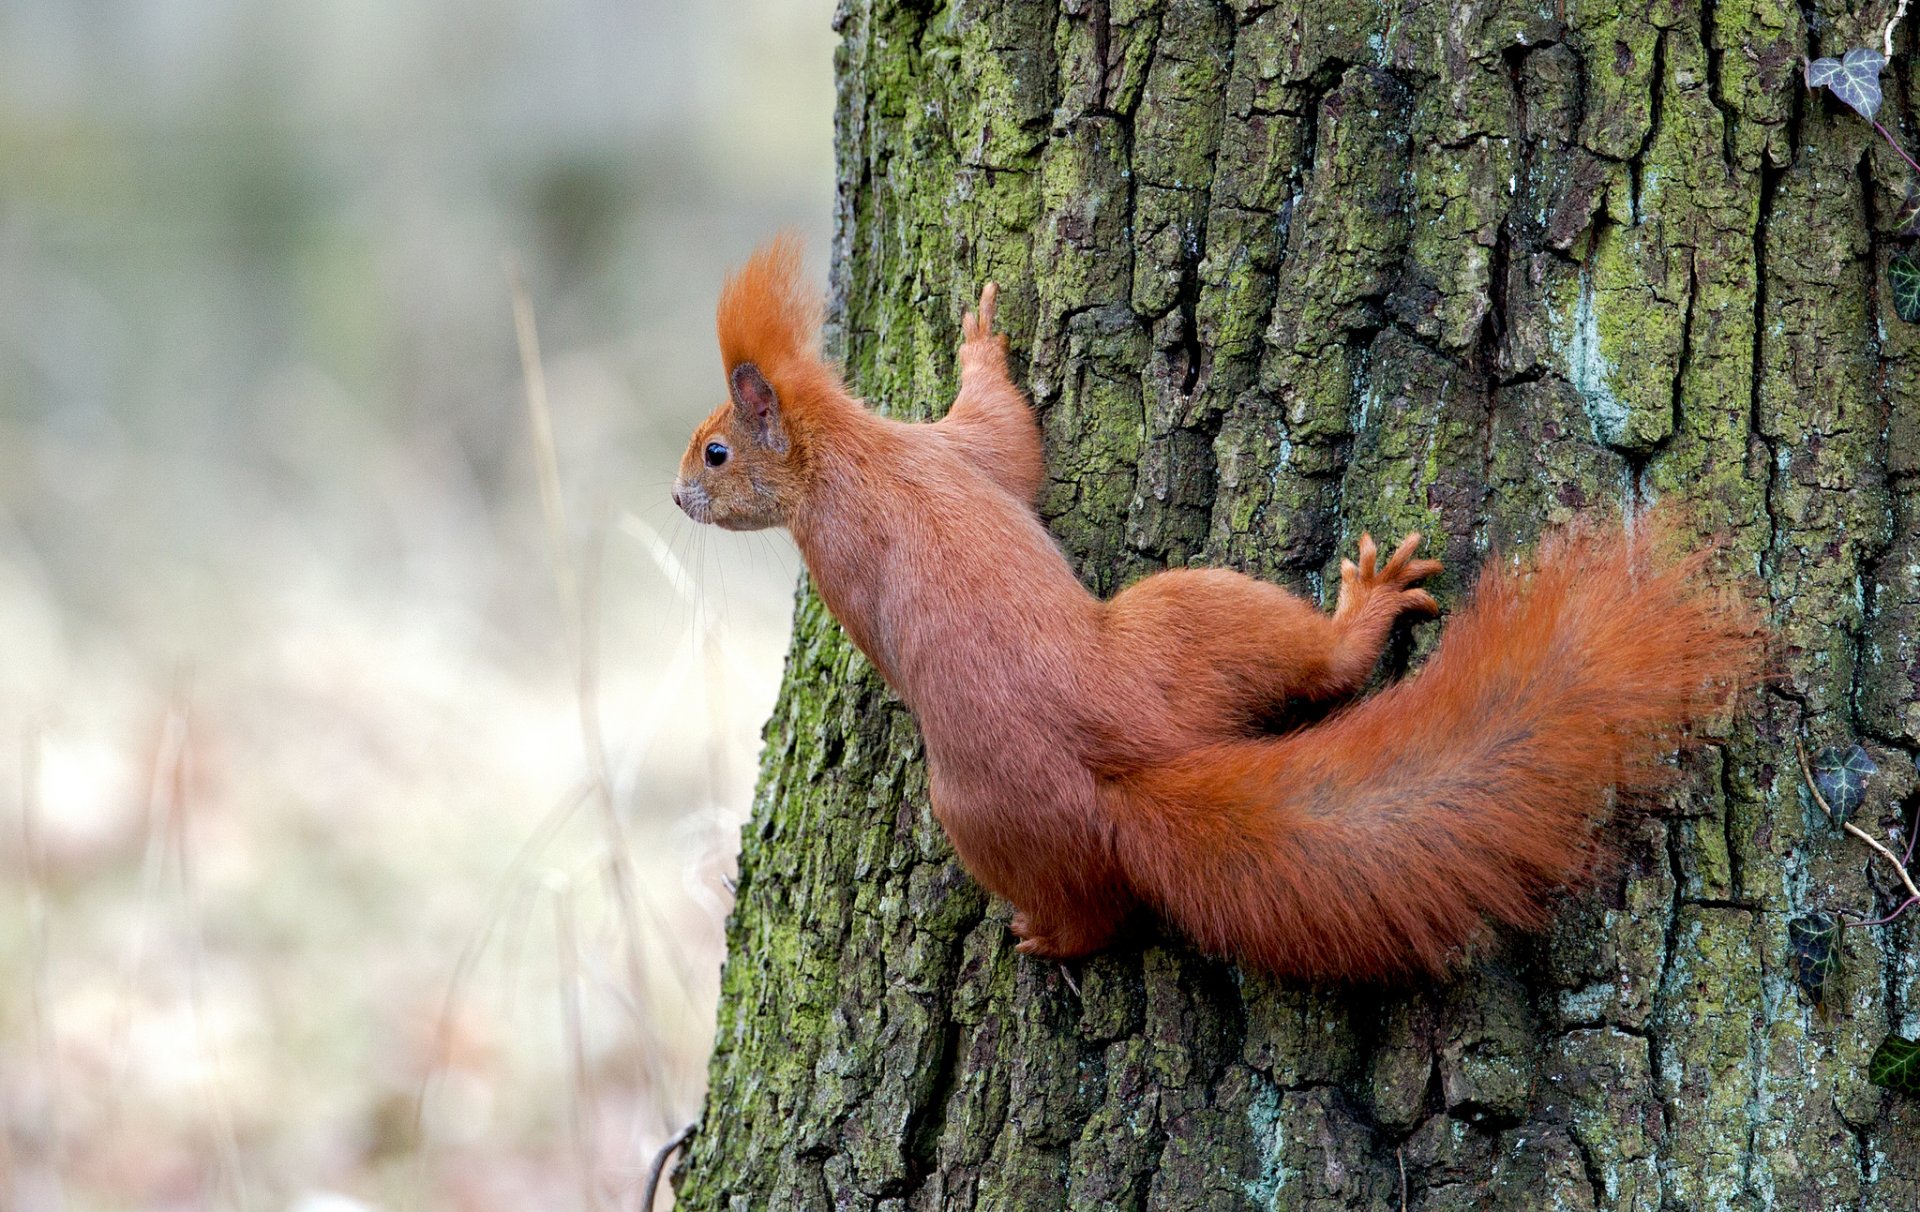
(1087, 757)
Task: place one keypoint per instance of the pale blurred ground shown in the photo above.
(289, 731)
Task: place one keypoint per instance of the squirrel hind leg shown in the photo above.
(1232, 654)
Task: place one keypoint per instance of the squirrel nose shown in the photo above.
(680, 498)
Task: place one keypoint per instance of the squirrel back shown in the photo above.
(1381, 840)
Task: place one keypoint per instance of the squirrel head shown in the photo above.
(745, 468)
(739, 471)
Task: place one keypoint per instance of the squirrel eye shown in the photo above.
(716, 454)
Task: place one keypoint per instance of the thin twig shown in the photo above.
(1886, 38)
(1401, 1153)
(1806, 772)
(659, 1166)
(1905, 905)
(1895, 144)
(1885, 853)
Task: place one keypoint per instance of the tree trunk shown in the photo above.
(1278, 274)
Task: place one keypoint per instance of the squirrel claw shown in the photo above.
(1022, 927)
(1064, 939)
(1032, 941)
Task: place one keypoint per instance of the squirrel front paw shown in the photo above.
(978, 325)
(1391, 585)
(976, 328)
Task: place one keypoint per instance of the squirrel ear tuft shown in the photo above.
(758, 407)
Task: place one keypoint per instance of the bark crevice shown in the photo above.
(1280, 273)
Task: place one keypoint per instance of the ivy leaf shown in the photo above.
(1906, 220)
(1841, 774)
(1903, 279)
(1896, 1065)
(1854, 78)
(1813, 948)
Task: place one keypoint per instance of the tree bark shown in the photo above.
(1278, 274)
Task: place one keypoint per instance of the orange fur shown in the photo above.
(1086, 756)
(767, 316)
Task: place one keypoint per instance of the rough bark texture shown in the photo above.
(1278, 274)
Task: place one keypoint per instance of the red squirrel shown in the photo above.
(1086, 757)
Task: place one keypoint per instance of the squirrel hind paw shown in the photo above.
(1062, 938)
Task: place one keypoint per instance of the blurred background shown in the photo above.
(364, 846)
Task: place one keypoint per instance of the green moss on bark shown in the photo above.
(1278, 273)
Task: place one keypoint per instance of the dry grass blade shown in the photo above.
(513, 879)
(167, 756)
(540, 424)
(581, 1098)
(579, 608)
(581, 601)
(226, 1138)
(46, 1045)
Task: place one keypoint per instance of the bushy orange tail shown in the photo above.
(1383, 839)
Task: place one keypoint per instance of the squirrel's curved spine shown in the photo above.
(1382, 839)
